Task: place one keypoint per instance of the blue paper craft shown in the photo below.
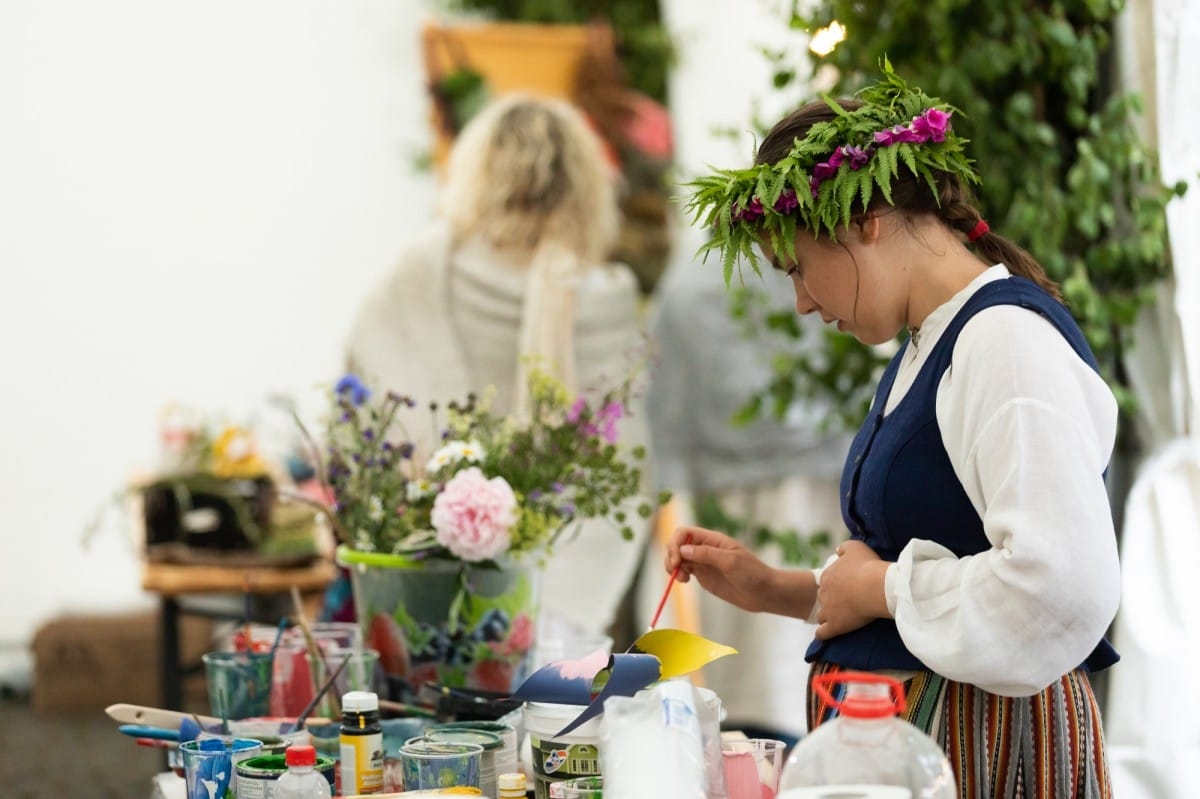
(565, 682)
(658, 655)
(588, 682)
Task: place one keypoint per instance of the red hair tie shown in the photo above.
(980, 228)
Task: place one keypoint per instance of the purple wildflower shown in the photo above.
(535, 495)
(352, 386)
(557, 487)
(567, 509)
(576, 410)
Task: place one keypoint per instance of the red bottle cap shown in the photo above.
(300, 755)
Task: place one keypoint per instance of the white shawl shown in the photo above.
(450, 320)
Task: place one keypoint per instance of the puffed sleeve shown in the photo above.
(1029, 429)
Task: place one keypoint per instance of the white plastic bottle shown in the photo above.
(866, 752)
(302, 780)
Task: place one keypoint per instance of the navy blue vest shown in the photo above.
(898, 483)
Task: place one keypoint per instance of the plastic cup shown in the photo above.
(208, 765)
(579, 788)
(239, 683)
(752, 767)
(427, 765)
(293, 674)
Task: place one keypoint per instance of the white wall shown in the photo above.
(193, 197)
(722, 81)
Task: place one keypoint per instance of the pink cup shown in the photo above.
(752, 767)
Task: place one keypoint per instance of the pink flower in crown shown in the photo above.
(752, 211)
(857, 155)
(787, 202)
(931, 125)
(472, 516)
(824, 171)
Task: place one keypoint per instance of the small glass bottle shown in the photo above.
(301, 780)
(511, 785)
(361, 744)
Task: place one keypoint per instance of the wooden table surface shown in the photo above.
(170, 579)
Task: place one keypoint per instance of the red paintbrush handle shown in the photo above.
(667, 591)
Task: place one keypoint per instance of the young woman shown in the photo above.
(982, 567)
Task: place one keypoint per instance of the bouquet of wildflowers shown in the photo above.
(496, 486)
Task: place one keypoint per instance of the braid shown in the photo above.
(957, 210)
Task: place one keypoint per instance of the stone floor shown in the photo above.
(46, 756)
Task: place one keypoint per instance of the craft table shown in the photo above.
(179, 588)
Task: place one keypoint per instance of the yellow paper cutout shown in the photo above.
(680, 652)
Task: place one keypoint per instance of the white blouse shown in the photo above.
(1029, 429)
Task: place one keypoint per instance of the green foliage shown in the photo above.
(643, 45)
(795, 549)
(839, 367)
(1064, 172)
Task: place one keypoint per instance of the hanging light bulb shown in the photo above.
(827, 38)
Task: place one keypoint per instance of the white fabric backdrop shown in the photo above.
(1153, 717)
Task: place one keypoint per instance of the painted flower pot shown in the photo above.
(458, 624)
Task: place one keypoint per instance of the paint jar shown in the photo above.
(361, 744)
(257, 776)
(490, 741)
(209, 763)
(293, 679)
(239, 683)
(560, 757)
(395, 733)
(428, 764)
(506, 757)
(581, 788)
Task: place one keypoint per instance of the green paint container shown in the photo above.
(256, 776)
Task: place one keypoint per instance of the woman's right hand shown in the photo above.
(724, 567)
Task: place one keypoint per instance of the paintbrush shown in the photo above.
(317, 697)
(666, 592)
(248, 609)
(315, 653)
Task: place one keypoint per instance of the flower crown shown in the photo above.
(831, 172)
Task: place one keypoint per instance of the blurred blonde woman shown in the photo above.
(516, 268)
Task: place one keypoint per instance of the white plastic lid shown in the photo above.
(360, 702)
(511, 781)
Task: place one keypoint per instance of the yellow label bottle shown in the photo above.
(361, 744)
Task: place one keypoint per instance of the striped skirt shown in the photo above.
(1045, 746)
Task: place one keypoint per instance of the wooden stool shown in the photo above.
(176, 583)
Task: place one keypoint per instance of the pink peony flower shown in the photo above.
(473, 515)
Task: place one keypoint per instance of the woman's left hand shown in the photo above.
(851, 591)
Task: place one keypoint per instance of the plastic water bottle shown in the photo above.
(301, 780)
(866, 752)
